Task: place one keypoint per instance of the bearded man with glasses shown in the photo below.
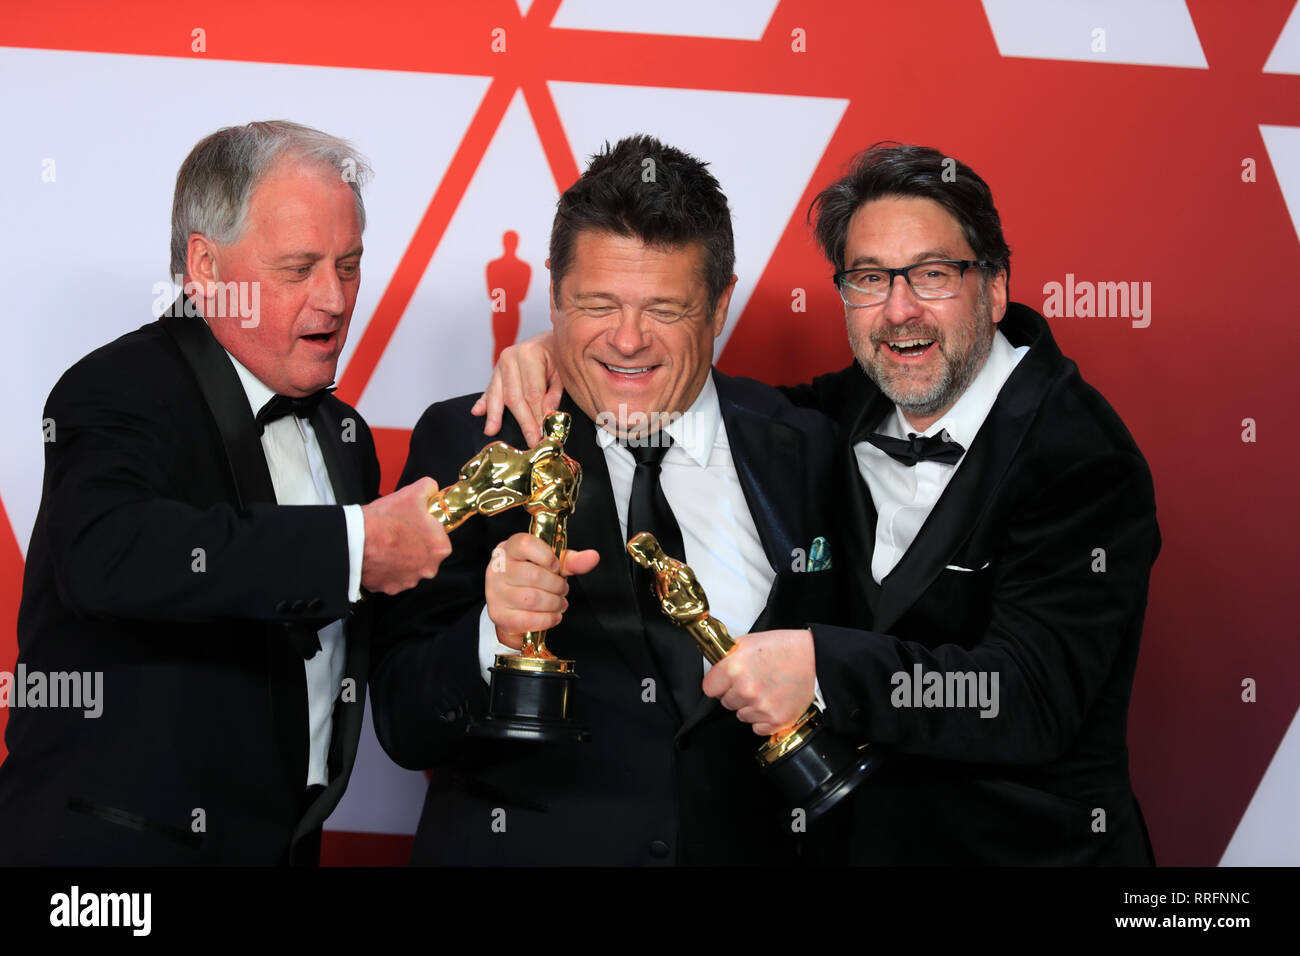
(1002, 523)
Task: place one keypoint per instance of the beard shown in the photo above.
(963, 350)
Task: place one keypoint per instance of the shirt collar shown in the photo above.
(254, 390)
(695, 431)
(963, 420)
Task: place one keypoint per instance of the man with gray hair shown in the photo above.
(208, 524)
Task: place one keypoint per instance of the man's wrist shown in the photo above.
(488, 644)
(818, 699)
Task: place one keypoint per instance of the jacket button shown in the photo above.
(658, 849)
(298, 607)
(315, 604)
(282, 607)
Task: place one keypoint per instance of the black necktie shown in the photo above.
(919, 448)
(672, 648)
(282, 406)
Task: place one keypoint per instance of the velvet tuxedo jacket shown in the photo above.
(1033, 565)
(160, 560)
(653, 786)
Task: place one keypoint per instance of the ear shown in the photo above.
(550, 298)
(724, 302)
(997, 292)
(201, 260)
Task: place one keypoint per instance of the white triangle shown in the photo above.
(762, 147)
(1283, 145)
(1151, 33)
(79, 257)
(1268, 834)
(721, 19)
(1285, 57)
(443, 345)
(524, 6)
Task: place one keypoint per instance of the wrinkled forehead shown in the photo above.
(630, 269)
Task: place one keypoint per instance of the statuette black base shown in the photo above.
(821, 772)
(529, 705)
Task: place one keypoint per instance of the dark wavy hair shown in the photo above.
(642, 188)
(892, 169)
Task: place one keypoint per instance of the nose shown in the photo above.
(327, 292)
(901, 304)
(629, 336)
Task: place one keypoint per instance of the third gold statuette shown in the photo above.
(812, 767)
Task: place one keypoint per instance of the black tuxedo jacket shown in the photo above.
(653, 786)
(1033, 564)
(160, 559)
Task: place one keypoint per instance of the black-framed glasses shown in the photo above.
(935, 279)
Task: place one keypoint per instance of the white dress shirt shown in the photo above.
(905, 495)
(299, 476)
(699, 480)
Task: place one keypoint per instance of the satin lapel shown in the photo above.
(769, 460)
(227, 402)
(345, 475)
(347, 725)
(251, 479)
(594, 524)
(347, 482)
(860, 510)
(963, 503)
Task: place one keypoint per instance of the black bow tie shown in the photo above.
(282, 406)
(919, 448)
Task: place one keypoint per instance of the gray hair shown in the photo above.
(219, 175)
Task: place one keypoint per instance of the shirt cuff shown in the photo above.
(356, 549)
(818, 699)
(488, 645)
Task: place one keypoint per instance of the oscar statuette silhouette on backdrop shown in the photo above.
(507, 283)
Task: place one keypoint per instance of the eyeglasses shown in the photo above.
(936, 279)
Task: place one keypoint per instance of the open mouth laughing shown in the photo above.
(910, 348)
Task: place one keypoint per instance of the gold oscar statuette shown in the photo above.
(552, 496)
(530, 691)
(811, 767)
(498, 478)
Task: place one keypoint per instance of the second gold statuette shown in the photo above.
(811, 767)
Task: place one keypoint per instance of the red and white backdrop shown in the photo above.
(1153, 142)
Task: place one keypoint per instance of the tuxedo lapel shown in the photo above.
(860, 509)
(345, 474)
(226, 400)
(972, 489)
(349, 488)
(348, 718)
(251, 479)
(347, 483)
(769, 460)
